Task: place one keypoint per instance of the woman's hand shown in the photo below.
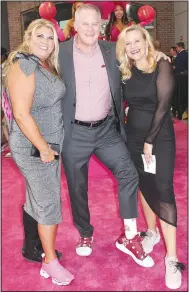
(160, 55)
(148, 152)
(48, 155)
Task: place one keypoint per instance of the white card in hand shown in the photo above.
(151, 167)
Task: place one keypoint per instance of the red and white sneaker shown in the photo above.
(133, 247)
(84, 247)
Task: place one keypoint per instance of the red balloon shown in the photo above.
(146, 13)
(59, 31)
(144, 23)
(54, 22)
(60, 34)
(47, 10)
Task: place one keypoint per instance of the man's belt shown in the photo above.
(92, 124)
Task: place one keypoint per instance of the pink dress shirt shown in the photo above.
(93, 97)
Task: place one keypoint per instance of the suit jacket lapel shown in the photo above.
(70, 67)
(106, 53)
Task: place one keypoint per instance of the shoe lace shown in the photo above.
(85, 241)
(136, 243)
(147, 236)
(177, 266)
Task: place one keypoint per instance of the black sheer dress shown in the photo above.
(149, 99)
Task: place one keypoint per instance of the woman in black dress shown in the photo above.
(148, 87)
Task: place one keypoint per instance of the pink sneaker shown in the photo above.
(57, 272)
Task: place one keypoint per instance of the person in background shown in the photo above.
(69, 30)
(181, 60)
(35, 88)
(118, 21)
(157, 45)
(181, 67)
(148, 87)
(173, 53)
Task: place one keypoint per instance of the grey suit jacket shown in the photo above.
(68, 76)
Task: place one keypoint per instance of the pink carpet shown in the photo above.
(107, 269)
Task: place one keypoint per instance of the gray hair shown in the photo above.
(85, 7)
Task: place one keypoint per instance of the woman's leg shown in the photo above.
(152, 236)
(149, 214)
(47, 234)
(173, 276)
(169, 234)
(51, 267)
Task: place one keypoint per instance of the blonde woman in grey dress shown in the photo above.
(35, 88)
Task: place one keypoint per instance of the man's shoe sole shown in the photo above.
(84, 254)
(127, 251)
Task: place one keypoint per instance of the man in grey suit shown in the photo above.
(94, 124)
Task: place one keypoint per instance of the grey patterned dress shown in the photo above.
(43, 201)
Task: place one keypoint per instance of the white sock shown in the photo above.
(130, 228)
(171, 258)
(153, 232)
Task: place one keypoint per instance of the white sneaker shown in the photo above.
(151, 238)
(173, 276)
(84, 247)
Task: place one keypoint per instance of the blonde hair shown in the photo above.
(74, 8)
(70, 22)
(125, 62)
(52, 60)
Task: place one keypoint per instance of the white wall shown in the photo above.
(181, 21)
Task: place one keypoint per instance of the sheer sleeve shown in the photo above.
(165, 83)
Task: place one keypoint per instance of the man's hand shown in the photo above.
(160, 55)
